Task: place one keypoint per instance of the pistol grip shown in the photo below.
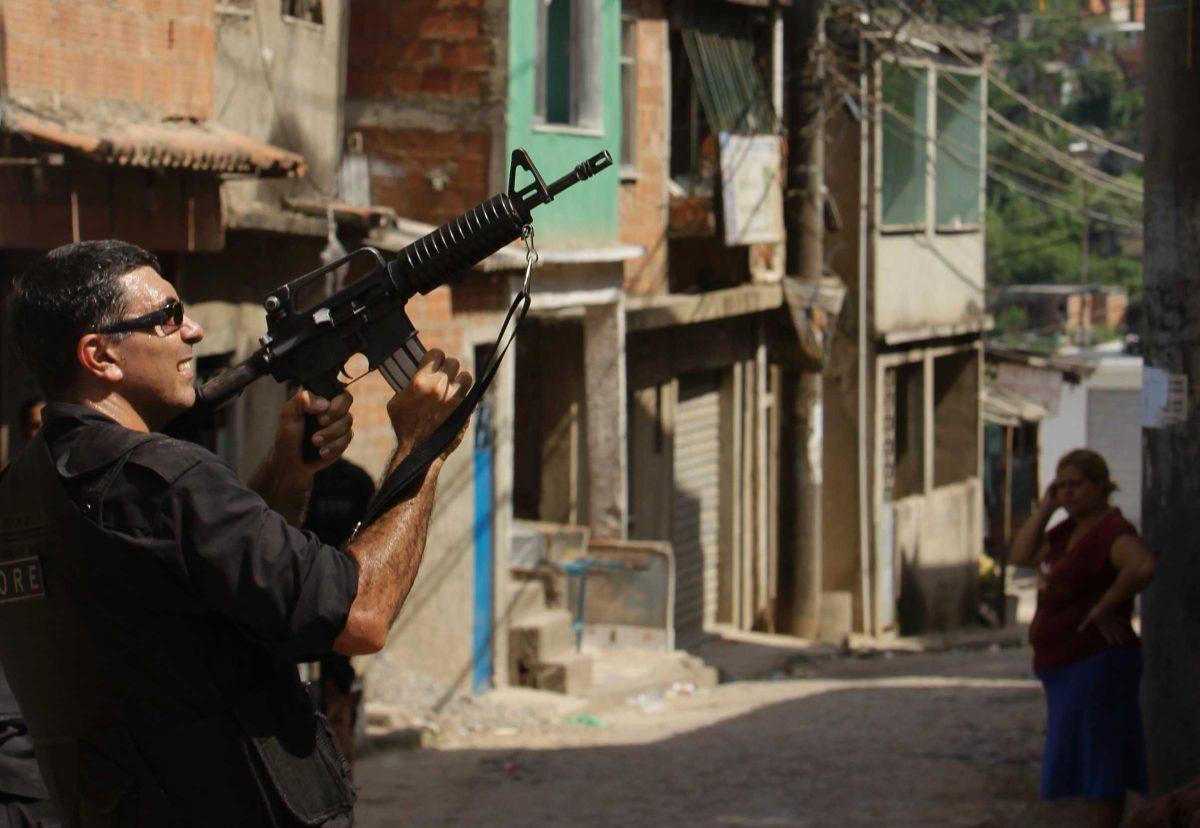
(323, 386)
(308, 451)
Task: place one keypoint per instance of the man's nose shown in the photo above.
(191, 331)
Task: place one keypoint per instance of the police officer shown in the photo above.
(152, 606)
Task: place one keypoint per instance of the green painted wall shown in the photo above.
(587, 213)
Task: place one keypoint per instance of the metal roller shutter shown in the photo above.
(694, 509)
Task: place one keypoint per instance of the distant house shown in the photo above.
(903, 523)
(1075, 312)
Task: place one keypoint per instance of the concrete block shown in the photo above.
(526, 597)
(836, 620)
(540, 637)
(570, 674)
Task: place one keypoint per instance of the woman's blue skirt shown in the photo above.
(1094, 743)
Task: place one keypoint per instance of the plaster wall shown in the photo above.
(281, 80)
(1103, 414)
(938, 537)
(1064, 430)
(588, 213)
(924, 280)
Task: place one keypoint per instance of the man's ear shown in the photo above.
(99, 359)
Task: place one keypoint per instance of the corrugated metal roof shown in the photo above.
(720, 51)
(192, 145)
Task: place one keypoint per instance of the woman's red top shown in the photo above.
(1070, 582)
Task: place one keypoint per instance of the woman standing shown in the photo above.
(1085, 651)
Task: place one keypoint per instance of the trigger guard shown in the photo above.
(328, 390)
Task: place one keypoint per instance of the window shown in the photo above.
(307, 10)
(629, 107)
(905, 144)
(568, 92)
(959, 189)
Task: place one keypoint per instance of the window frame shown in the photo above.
(933, 69)
(629, 86)
(968, 227)
(882, 115)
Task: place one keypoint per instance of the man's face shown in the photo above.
(158, 370)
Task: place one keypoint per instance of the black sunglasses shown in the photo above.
(164, 321)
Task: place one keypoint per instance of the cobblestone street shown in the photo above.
(906, 739)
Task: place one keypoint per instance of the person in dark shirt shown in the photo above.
(340, 495)
(31, 417)
(152, 606)
(24, 800)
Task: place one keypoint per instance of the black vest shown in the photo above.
(143, 714)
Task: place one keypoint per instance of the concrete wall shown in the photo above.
(281, 80)
(145, 54)
(587, 214)
(840, 528)
(928, 279)
(937, 544)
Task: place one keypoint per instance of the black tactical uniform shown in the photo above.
(24, 800)
(151, 611)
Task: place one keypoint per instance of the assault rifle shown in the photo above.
(311, 345)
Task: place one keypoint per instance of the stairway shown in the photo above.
(541, 641)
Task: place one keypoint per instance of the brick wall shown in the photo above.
(154, 54)
(425, 174)
(643, 199)
(416, 56)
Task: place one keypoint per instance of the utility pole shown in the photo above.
(806, 259)
(1085, 317)
(1171, 478)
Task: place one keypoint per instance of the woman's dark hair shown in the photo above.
(1091, 465)
(69, 291)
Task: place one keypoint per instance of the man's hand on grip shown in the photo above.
(437, 388)
(331, 439)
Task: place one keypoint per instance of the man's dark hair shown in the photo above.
(69, 291)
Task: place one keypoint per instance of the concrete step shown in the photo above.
(537, 638)
(618, 675)
(526, 597)
(570, 673)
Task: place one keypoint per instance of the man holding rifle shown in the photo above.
(152, 606)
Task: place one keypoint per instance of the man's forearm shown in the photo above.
(285, 493)
(389, 553)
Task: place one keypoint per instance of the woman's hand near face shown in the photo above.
(1052, 499)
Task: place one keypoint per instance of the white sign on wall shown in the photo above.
(1164, 398)
(752, 188)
